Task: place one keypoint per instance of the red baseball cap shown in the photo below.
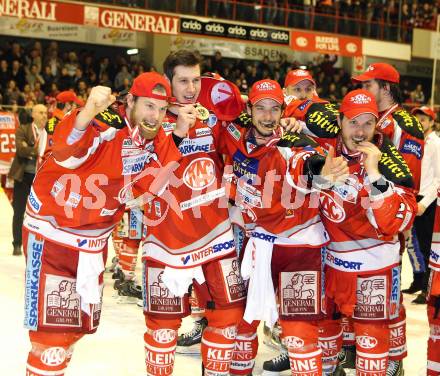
(425, 110)
(358, 102)
(144, 84)
(69, 96)
(298, 75)
(221, 96)
(379, 71)
(264, 89)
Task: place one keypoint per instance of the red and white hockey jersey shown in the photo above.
(8, 125)
(80, 190)
(402, 128)
(270, 185)
(189, 224)
(434, 259)
(363, 223)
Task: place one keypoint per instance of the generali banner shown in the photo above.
(90, 15)
(326, 43)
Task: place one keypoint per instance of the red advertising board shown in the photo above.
(325, 43)
(90, 14)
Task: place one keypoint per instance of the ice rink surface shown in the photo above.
(117, 347)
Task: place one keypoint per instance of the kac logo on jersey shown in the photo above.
(412, 147)
(199, 174)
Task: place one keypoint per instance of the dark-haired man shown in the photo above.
(406, 133)
(192, 241)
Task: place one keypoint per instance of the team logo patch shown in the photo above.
(366, 342)
(371, 295)
(164, 335)
(62, 304)
(331, 209)
(199, 174)
(53, 356)
(299, 293)
(293, 342)
(235, 288)
(96, 313)
(158, 298)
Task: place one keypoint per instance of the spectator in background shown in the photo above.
(124, 87)
(78, 76)
(72, 63)
(123, 75)
(418, 96)
(27, 94)
(53, 61)
(38, 93)
(65, 82)
(82, 89)
(48, 78)
(105, 80)
(23, 168)
(13, 94)
(34, 58)
(264, 65)
(33, 76)
(16, 53)
(217, 65)
(18, 74)
(5, 76)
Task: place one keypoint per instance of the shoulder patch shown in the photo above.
(297, 140)
(111, 118)
(393, 166)
(244, 120)
(409, 123)
(322, 120)
(51, 125)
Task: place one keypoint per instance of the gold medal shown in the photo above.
(202, 112)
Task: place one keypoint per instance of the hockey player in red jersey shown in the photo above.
(273, 173)
(406, 133)
(433, 299)
(363, 217)
(102, 157)
(191, 241)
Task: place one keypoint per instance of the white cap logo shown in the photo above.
(370, 68)
(265, 86)
(300, 73)
(360, 99)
